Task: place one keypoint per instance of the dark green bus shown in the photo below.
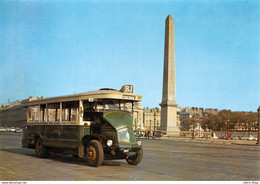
(94, 125)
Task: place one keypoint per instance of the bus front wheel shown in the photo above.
(136, 159)
(94, 153)
(40, 149)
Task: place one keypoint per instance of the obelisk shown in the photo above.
(168, 105)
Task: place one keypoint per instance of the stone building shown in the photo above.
(138, 116)
(145, 118)
(152, 118)
(186, 112)
(13, 114)
(211, 111)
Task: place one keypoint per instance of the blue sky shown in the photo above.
(53, 48)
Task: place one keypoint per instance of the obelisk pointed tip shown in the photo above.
(169, 17)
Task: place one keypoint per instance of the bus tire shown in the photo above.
(136, 159)
(40, 149)
(94, 153)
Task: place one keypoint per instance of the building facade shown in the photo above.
(12, 114)
(152, 118)
(186, 112)
(145, 118)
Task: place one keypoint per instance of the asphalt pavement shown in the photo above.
(165, 159)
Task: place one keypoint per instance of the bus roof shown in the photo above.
(125, 94)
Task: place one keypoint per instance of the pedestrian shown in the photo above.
(146, 134)
(229, 136)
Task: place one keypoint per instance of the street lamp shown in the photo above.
(258, 139)
(154, 125)
(193, 127)
(227, 127)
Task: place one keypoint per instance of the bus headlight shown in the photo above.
(109, 142)
(139, 143)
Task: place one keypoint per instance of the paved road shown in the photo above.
(163, 160)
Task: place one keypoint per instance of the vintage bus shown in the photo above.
(95, 125)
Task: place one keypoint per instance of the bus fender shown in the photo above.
(36, 136)
(81, 150)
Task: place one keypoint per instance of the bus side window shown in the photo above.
(33, 113)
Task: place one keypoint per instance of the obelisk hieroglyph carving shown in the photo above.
(168, 105)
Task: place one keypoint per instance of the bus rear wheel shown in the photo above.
(136, 159)
(40, 149)
(94, 153)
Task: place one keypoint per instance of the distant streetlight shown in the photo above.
(258, 139)
(154, 125)
(227, 129)
(193, 127)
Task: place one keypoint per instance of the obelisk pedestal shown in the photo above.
(168, 105)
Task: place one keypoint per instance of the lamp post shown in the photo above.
(258, 139)
(154, 125)
(193, 133)
(227, 129)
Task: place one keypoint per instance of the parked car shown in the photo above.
(12, 129)
(18, 130)
(251, 138)
(235, 138)
(221, 137)
(137, 134)
(2, 130)
(243, 138)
